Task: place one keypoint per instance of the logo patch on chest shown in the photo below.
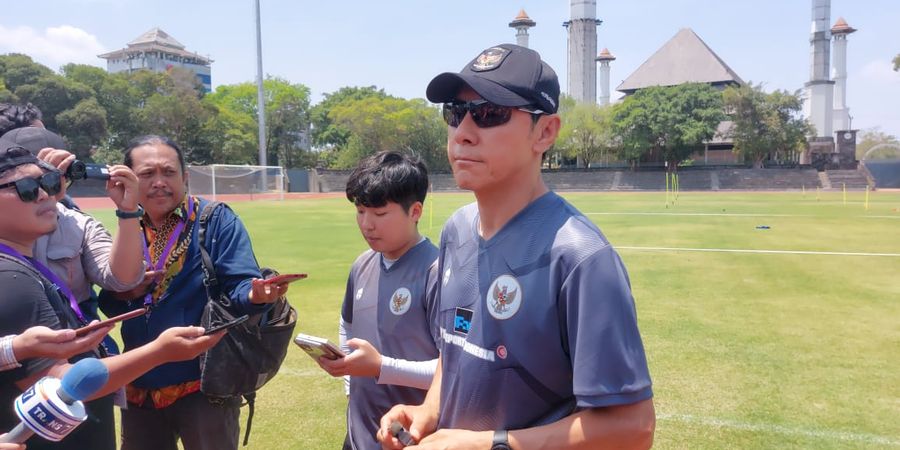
(462, 321)
(400, 301)
(504, 297)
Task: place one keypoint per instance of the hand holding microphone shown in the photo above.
(52, 408)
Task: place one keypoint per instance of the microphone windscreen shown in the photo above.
(82, 380)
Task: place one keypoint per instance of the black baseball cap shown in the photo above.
(13, 155)
(35, 139)
(506, 75)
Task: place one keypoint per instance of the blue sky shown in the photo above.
(400, 45)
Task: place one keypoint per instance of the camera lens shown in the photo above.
(76, 171)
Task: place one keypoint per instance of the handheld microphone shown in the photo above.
(401, 434)
(52, 408)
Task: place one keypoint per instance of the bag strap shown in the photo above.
(210, 280)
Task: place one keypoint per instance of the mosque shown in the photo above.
(687, 58)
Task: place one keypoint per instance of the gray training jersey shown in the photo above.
(536, 321)
(392, 309)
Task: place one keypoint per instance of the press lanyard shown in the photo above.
(170, 245)
(46, 272)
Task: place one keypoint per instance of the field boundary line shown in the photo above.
(731, 215)
(782, 429)
(738, 250)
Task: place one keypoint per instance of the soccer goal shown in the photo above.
(225, 182)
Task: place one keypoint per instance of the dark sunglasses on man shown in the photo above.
(27, 188)
(484, 113)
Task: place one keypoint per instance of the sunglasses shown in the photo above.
(27, 188)
(484, 113)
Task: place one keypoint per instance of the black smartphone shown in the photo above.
(226, 325)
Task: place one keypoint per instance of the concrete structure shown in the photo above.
(819, 103)
(156, 50)
(582, 29)
(604, 58)
(839, 32)
(522, 23)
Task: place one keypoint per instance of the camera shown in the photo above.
(80, 170)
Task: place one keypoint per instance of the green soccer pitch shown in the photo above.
(769, 319)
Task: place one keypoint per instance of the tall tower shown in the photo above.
(819, 102)
(582, 29)
(522, 23)
(839, 31)
(604, 58)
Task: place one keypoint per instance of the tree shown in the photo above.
(868, 139)
(18, 70)
(667, 123)
(177, 112)
(84, 126)
(53, 94)
(287, 120)
(897, 63)
(586, 133)
(326, 134)
(116, 94)
(765, 125)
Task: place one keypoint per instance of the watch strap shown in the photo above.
(501, 440)
(130, 214)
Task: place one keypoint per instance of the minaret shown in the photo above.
(522, 23)
(819, 102)
(582, 47)
(839, 31)
(604, 59)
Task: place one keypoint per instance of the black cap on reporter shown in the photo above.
(35, 139)
(506, 75)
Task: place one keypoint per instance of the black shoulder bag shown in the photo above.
(250, 354)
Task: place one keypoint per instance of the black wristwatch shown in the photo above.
(130, 215)
(501, 440)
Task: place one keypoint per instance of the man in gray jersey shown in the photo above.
(388, 315)
(540, 346)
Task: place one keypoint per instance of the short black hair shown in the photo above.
(152, 139)
(18, 116)
(388, 177)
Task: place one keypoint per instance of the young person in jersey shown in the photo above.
(540, 346)
(388, 316)
(33, 296)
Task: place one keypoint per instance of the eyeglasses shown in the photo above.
(484, 113)
(27, 188)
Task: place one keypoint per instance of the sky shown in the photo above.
(399, 45)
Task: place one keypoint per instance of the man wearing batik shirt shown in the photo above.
(166, 404)
(540, 347)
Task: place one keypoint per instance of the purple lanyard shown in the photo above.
(170, 245)
(46, 272)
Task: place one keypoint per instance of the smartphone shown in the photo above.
(226, 325)
(285, 278)
(91, 327)
(315, 347)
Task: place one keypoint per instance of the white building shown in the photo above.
(157, 51)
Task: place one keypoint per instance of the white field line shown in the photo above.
(724, 215)
(738, 250)
(824, 434)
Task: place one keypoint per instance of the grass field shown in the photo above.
(746, 350)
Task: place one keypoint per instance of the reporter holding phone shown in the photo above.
(165, 404)
(33, 297)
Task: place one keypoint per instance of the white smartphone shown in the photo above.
(315, 347)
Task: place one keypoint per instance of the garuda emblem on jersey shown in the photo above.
(400, 301)
(504, 297)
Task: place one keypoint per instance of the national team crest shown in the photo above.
(446, 276)
(359, 293)
(400, 301)
(504, 297)
(489, 59)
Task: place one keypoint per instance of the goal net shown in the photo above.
(225, 182)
